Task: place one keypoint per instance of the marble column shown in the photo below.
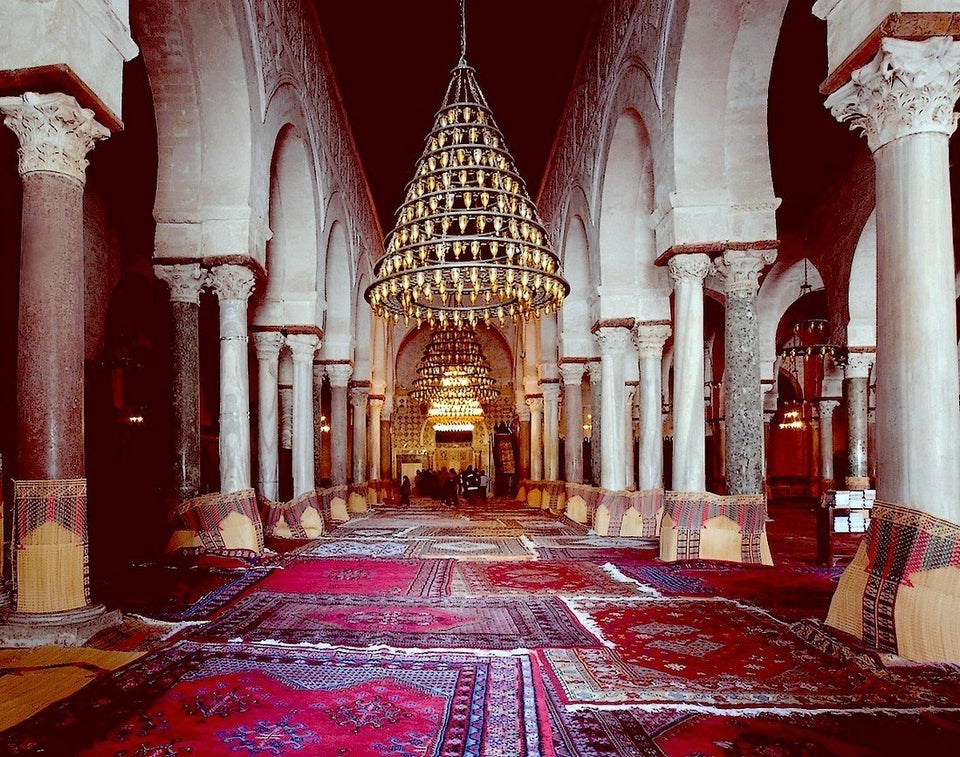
(743, 408)
(268, 345)
(826, 442)
(535, 404)
(572, 374)
(614, 342)
(302, 348)
(689, 429)
(525, 445)
(856, 392)
(339, 375)
(551, 430)
(318, 422)
(904, 102)
(376, 419)
(650, 338)
(185, 282)
(596, 386)
(233, 285)
(629, 461)
(358, 400)
(49, 535)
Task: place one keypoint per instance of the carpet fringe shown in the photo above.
(518, 652)
(617, 575)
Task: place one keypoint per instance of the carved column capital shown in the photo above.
(691, 265)
(303, 346)
(339, 374)
(827, 407)
(268, 344)
(55, 133)
(551, 391)
(572, 373)
(740, 269)
(908, 88)
(358, 396)
(376, 403)
(596, 371)
(232, 282)
(185, 280)
(650, 337)
(535, 404)
(613, 340)
(859, 364)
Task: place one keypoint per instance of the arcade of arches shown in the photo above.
(752, 206)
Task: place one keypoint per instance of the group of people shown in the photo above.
(447, 485)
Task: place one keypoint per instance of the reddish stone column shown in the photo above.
(50, 507)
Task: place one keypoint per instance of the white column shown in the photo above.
(904, 102)
(268, 344)
(629, 398)
(551, 430)
(613, 341)
(826, 441)
(373, 431)
(318, 421)
(233, 285)
(572, 374)
(650, 338)
(358, 399)
(689, 429)
(339, 375)
(535, 403)
(596, 432)
(302, 348)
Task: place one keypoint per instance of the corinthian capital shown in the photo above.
(339, 374)
(268, 344)
(572, 373)
(55, 133)
(613, 340)
(650, 338)
(908, 88)
(302, 347)
(232, 282)
(691, 265)
(185, 281)
(740, 269)
(358, 395)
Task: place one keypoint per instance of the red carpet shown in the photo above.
(414, 578)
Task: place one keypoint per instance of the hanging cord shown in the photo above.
(463, 34)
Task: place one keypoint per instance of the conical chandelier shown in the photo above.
(453, 366)
(468, 246)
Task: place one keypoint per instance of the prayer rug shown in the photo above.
(472, 549)
(544, 527)
(566, 578)
(712, 653)
(356, 548)
(617, 555)
(594, 541)
(413, 578)
(451, 622)
(176, 594)
(467, 530)
(789, 593)
(220, 699)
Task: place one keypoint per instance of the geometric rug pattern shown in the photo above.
(490, 629)
(357, 621)
(227, 699)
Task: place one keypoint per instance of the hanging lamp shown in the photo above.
(468, 246)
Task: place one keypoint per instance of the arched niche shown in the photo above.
(575, 317)
(291, 291)
(338, 295)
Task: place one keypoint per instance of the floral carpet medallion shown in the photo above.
(224, 699)
(712, 653)
(451, 622)
(567, 577)
(482, 548)
(355, 548)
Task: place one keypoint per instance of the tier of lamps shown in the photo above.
(468, 246)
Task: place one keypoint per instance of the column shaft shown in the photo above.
(268, 346)
(536, 437)
(826, 441)
(376, 410)
(689, 428)
(613, 343)
(573, 420)
(551, 431)
(303, 347)
(339, 375)
(359, 401)
(596, 431)
(650, 338)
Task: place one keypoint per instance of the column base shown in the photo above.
(71, 628)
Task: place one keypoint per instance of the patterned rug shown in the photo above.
(598, 542)
(224, 699)
(472, 549)
(790, 593)
(412, 578)
(566, 578)
(355, 548)
(713, 653)
(546, 526)
(452, 622)
(616, 555)
(467, 530)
